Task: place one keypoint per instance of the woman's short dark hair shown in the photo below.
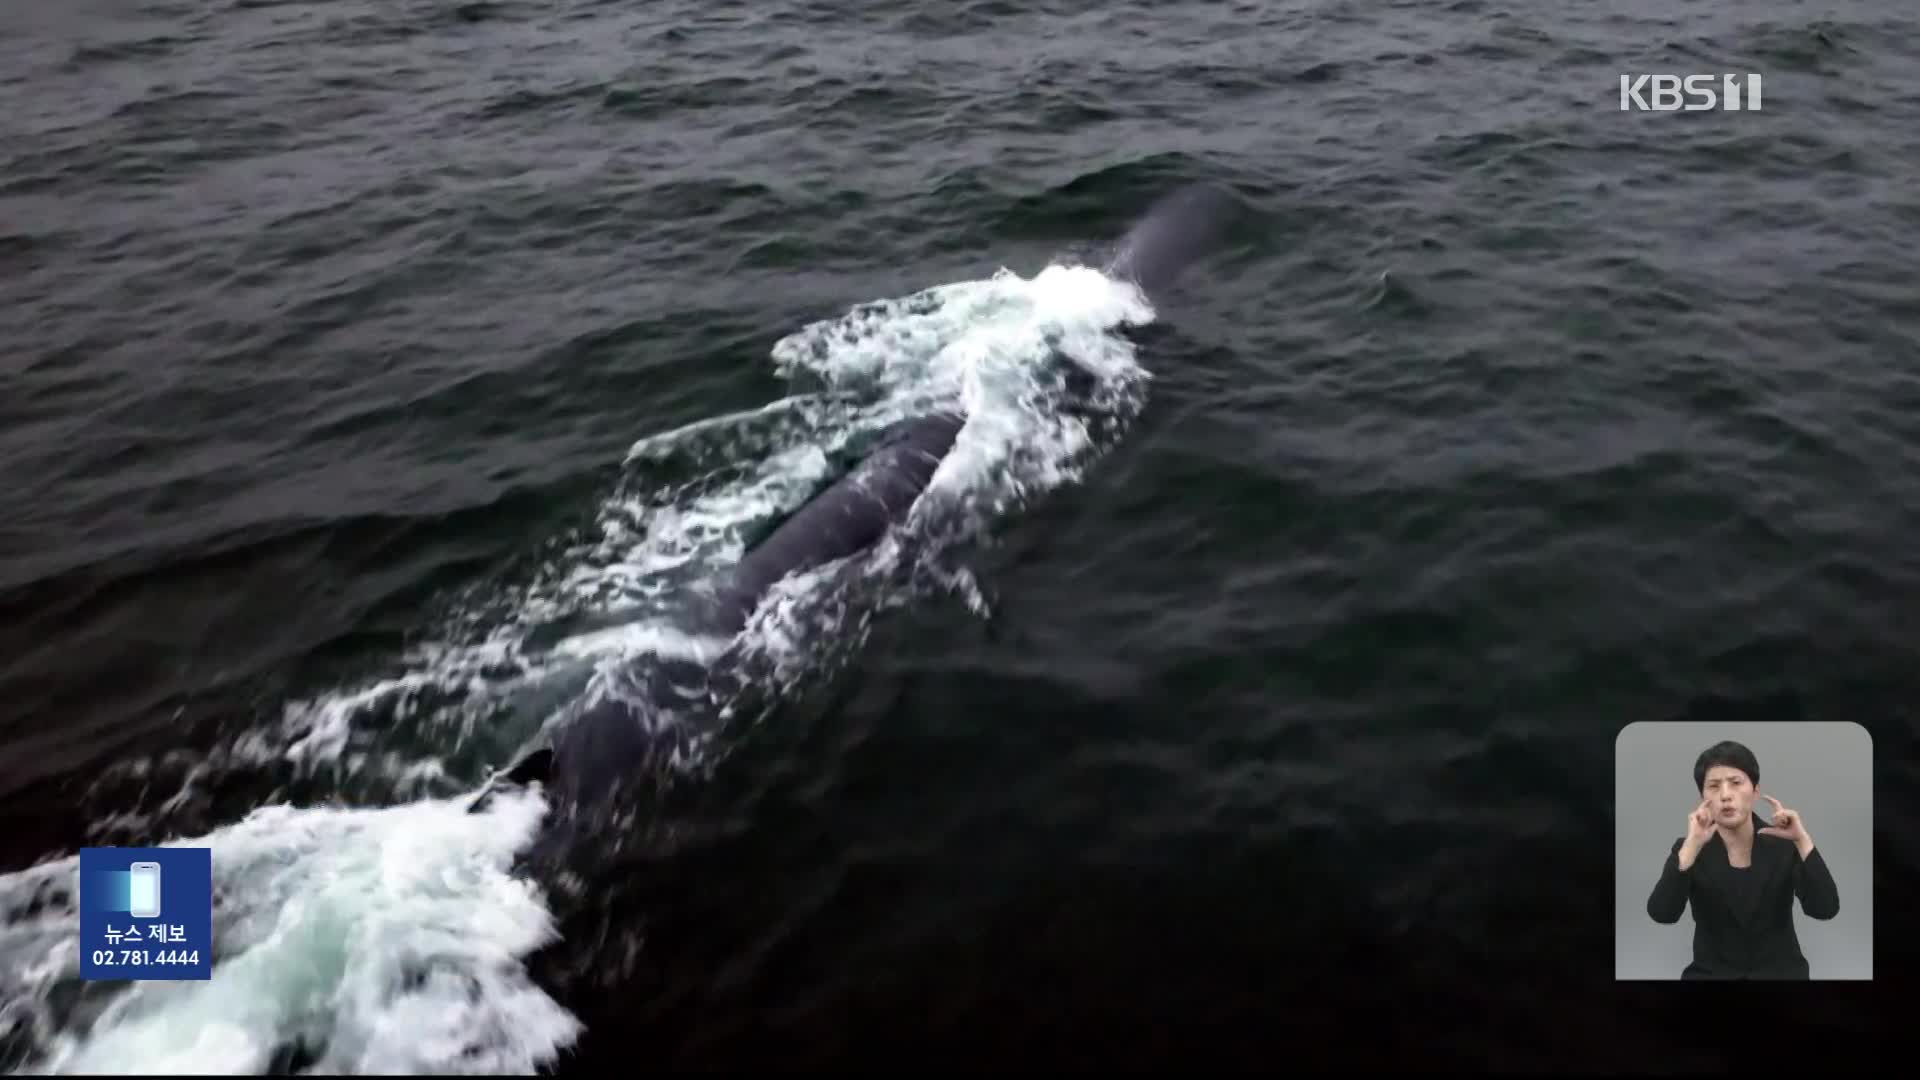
(1729, 753)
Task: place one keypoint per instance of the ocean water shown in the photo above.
(373, 374)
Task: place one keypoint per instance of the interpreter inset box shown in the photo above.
(1743, 850)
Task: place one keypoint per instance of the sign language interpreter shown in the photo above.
(1741, 876)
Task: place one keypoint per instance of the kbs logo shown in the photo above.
(1691, 93)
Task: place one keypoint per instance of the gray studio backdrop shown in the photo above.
(1822, 769)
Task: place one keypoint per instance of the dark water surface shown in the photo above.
(1285, 730)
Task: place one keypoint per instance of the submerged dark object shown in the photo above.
(1175, 231)
(637, 726)
(633, 728)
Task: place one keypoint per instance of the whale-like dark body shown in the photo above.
(623, 733)
(619, 735)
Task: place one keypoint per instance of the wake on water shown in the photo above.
(392, 939)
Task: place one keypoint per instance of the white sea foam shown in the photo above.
(390, 940)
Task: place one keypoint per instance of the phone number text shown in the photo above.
(144, 957)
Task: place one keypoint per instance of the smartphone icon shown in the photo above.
(144, 891)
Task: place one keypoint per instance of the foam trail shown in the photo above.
(328, 913)
(1003, 348)
(390, 940)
